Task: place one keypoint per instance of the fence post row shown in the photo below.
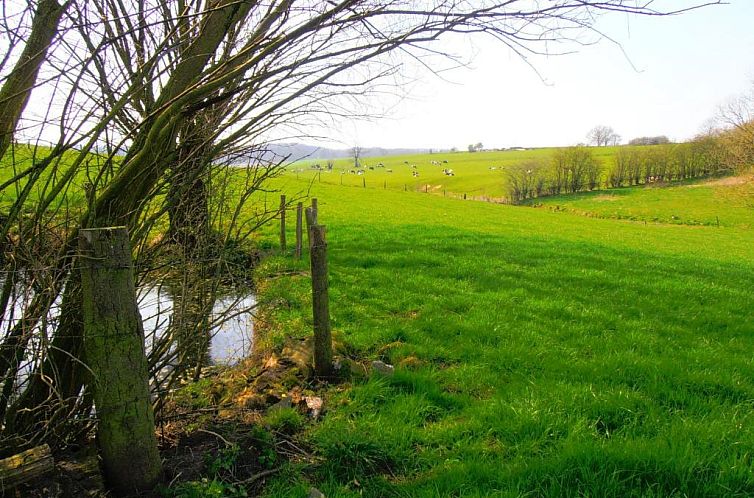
(114, 349)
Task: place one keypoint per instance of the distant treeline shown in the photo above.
(575, 169)
(658, 140)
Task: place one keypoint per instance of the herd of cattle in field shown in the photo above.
(360, 169)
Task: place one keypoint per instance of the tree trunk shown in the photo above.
(17, 88)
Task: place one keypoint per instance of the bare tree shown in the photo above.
(736, 130)
(602, 135)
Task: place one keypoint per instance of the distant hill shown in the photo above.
(297, 151)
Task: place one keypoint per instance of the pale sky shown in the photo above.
(675, 72)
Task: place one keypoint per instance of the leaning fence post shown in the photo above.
(299, 222)
(282, 223)
(320, 304)
(114, 350)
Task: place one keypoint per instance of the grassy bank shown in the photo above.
(726, 202)
(537, 353)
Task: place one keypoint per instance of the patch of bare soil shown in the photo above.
(728, 181)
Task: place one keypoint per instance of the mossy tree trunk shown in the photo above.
(114, 352)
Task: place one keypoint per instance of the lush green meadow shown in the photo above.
(537, 353)
(476, 174)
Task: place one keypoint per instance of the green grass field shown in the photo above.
(473, 175)
(537, 353)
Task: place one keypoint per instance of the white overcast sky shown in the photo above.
(675, 72)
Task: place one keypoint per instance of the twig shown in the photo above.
(227, 443)
(260, 475)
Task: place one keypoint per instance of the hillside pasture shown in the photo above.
(479, 175)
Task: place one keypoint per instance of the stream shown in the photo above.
(231, 339)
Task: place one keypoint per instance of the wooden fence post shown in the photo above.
(282, 223)
(315, 211)
(364, 181)
(320, 304)
(299, 232)
(114, 350)
(309, 221)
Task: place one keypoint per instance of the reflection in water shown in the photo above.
(231, 336)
